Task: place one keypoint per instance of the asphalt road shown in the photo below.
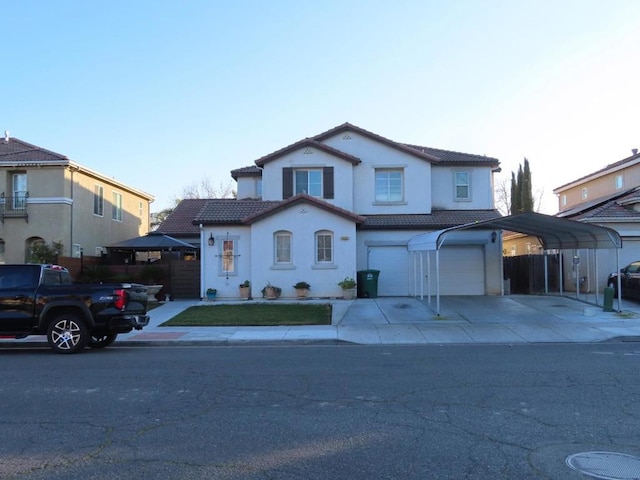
(316, 412)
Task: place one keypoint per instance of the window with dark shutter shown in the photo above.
(327, 182)
(287, 183)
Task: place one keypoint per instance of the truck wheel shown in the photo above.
(67, 334)
(102, 340)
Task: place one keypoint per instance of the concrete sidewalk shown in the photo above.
(383, 321)
(408, 321)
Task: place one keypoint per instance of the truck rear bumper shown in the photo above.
(127, 323)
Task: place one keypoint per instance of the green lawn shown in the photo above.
(256, 314)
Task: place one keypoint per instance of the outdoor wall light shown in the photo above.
(211, 240)
(494, 235)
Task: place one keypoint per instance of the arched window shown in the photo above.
(324, 246)
(282, 247)
(32, 248)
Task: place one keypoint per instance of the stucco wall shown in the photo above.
(417, 175)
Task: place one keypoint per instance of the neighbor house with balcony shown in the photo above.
(48, 198)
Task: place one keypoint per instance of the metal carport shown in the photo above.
(552, 232)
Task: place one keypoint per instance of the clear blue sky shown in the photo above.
(161, 94)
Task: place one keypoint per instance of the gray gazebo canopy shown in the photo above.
(152, 242)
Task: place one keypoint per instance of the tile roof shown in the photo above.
(307, 142)
(250, 171)
(304, 198)
(449, 157)
(14, 150)
(438, 219)
(345, 127)
(179, 223)
(190, 213)
(620, 206)
(224, 211)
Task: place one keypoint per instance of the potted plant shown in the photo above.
(348, 286)
(302, 289)
(245, 289)
(211, 293)
(270, 292)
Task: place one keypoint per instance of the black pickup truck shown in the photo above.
(41, 300)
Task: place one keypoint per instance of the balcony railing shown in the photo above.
(14, 207)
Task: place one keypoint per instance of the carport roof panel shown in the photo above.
(553, 232)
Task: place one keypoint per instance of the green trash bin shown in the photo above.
(368, 283)
(609, 292)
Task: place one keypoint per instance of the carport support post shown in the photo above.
(438, 282)
(619, 280)
(546, 272)
(561, 273)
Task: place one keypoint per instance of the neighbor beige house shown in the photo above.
(46, 197)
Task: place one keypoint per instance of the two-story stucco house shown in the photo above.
(609, 197)
(347, 200)
(48, 198)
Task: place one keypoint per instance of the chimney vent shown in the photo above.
(6, 136)
(634, 151)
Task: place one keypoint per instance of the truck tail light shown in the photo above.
(120, 298)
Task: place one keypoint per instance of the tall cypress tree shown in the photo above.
(525, 190)
(521, 193)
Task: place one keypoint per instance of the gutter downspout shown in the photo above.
(203, 262)
(72, 169)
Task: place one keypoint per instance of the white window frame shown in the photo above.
(564, 199)
(314, 187)
(98, 200)
(19, 190)
(321, 259)
(585, 193)
(116, 208)
(282, 254)
(619, 182)
(460, 183)
(385, 179)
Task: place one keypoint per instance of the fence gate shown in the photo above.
(526, 273)
(185, 279)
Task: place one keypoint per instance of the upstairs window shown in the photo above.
(317, 182)
(259, 188)
(564, 200)
(324, 247)
(619, 182)
(389, 185)
(116, 208)
(462, 186)
(282, 246)
(584, 193)
(98, 200)
(19, 191)
(309, 182)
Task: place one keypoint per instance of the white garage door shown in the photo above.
(393, 263)
(462, 270)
